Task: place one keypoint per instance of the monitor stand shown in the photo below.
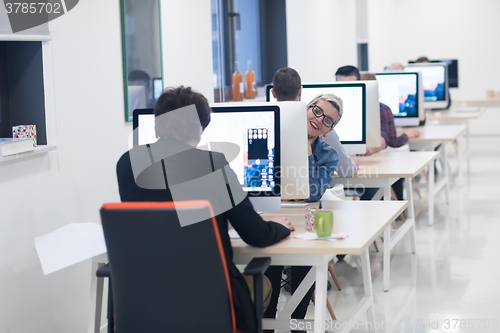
(422, 122)
(266, 203)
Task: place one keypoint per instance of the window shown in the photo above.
(247, 34)
(22, 97)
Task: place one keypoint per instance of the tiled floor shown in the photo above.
(452, 284)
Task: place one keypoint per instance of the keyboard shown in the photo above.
(294, 204)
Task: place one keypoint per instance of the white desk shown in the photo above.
(452, 115)
(432, 136)
(363, 221)
(381, 171)
(492, 102)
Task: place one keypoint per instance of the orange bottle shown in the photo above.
(237, 82)
(250, 85)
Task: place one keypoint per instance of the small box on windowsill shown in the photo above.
(25, 131)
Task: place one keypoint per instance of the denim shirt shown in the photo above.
(322, 166)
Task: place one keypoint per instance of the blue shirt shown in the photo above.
(322, 166)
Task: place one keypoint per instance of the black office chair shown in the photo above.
(168, 278)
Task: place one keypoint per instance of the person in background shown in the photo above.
(388, 131)
(425, 60)
(179, 133)
(141, 78)
(347, 73)
(422, 60)
(395, 67)
(387, 127)
(287, 86)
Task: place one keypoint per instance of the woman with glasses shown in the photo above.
(323, 113)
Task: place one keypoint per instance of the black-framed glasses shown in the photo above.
(327, 120)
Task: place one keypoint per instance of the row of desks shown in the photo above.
(362, 221)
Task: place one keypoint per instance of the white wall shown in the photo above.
(85, 119)
(321, 37)
(402, 30)
(187, 45)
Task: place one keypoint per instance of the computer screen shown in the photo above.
(294, 169)
(157, 88)
(352, 127)
(400, 91)
(434, 82)
(452, 70)
(144, 127)
(255, 130)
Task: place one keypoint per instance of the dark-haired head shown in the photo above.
(422, 60)
(139, 76)
(181, 127)
(287, 84)
(347, 73)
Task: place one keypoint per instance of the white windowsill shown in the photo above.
(22, 156)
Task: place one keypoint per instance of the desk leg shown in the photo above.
(318, 273)
(368, 286)
(387, 257)
(387, 243)
(96, 290)
(446, 172)
(431, 194)
(291, 305)
(467, 147)
(320, 305)
(411, 214)
(460, 162)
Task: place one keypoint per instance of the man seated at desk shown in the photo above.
(387, 128)
(181, 115)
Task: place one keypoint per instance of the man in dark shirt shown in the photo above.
(172, 169)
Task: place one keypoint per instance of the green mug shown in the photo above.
(323, 223)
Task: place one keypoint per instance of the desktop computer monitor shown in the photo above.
(452, 70)
(352, 128)
(434, 82)
(157, 88)
(402, 92)
(255, 130)
(372, 114)
(294, 169)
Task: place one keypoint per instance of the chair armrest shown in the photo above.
(103, 271)
(257, 266)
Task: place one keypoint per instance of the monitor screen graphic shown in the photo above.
(399, 92)
(255, 134)
(433, 81)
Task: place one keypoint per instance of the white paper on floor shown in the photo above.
(69, 245)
